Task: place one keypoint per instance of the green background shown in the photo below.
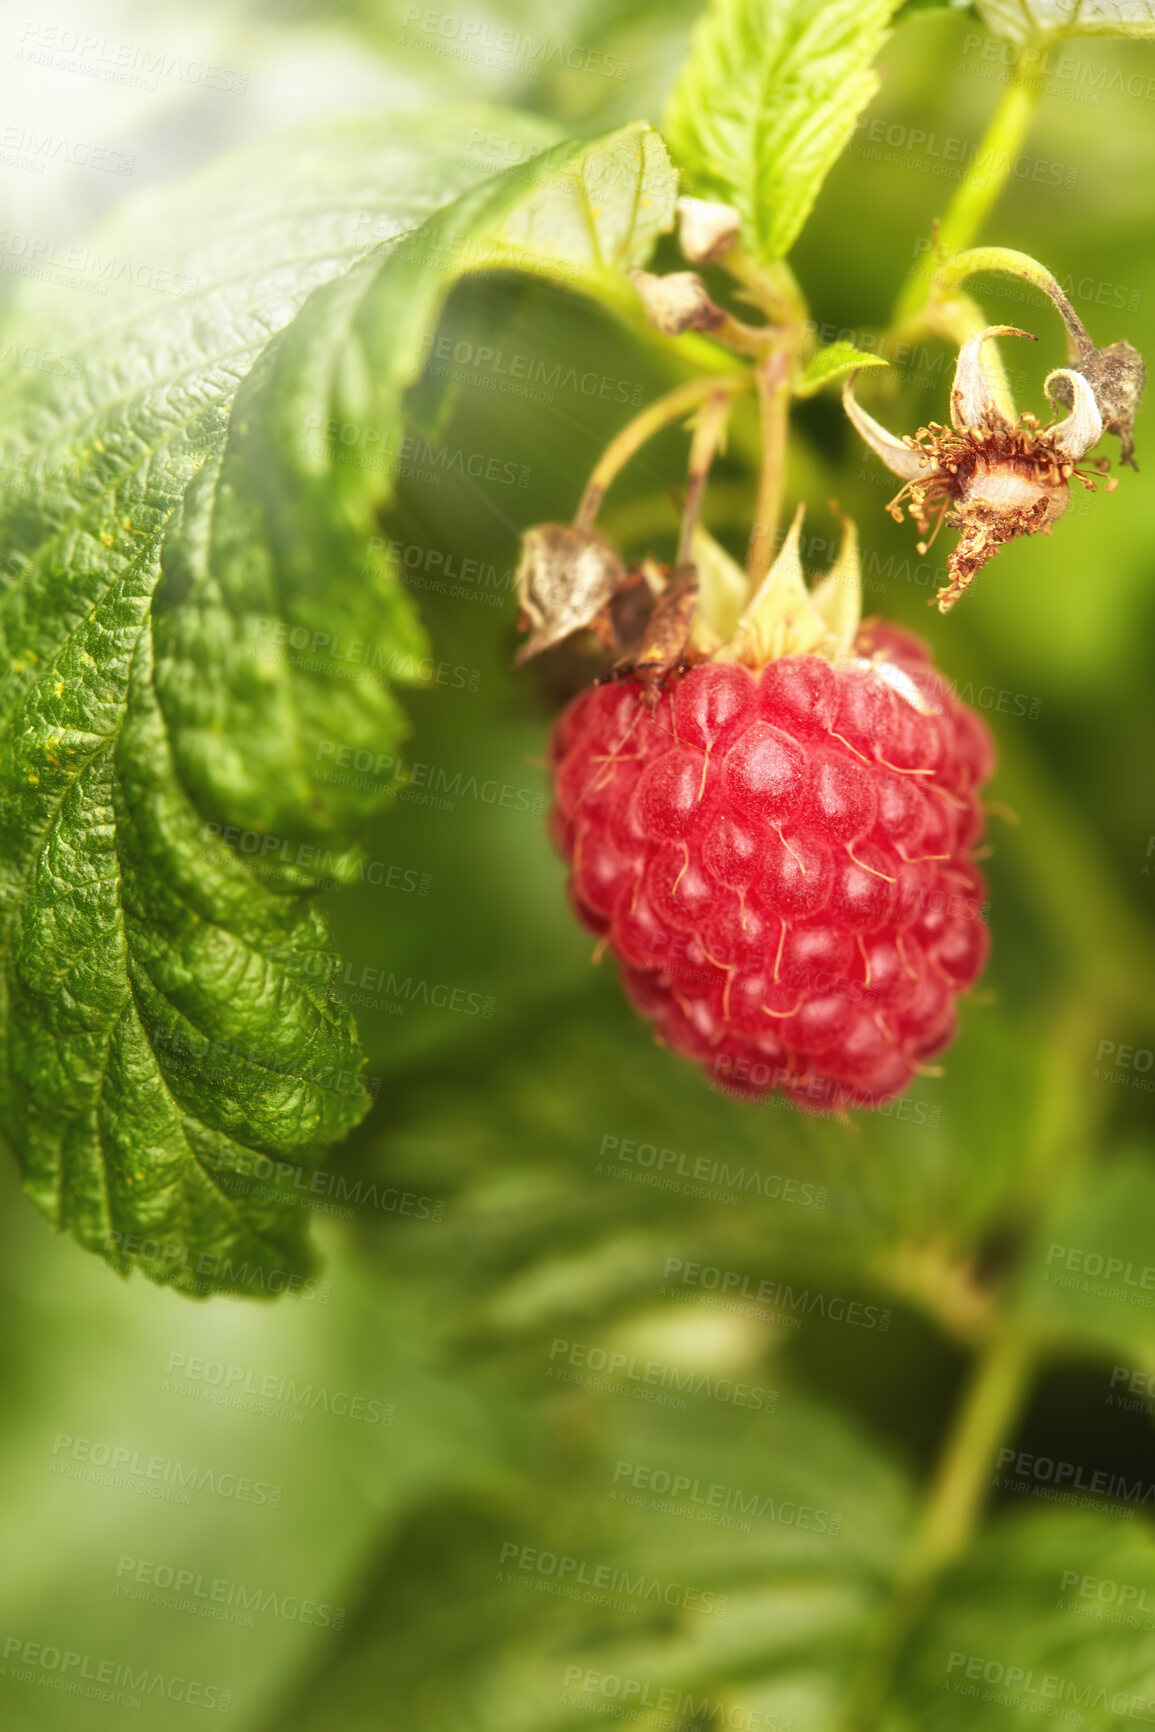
(499, 1120)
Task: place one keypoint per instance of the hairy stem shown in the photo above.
(773, 377)
(977, 192)
(711, 425)
(652, 419)
(772, 287)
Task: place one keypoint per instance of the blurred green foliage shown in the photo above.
(482, 1213)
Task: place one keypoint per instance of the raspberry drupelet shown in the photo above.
(781, 859)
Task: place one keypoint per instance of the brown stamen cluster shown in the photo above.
(989, 475)
(993, 483)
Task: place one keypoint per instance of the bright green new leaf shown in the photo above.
(834, 363)
(175, 507)
(767, 101)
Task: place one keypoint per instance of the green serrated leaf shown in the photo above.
(834, 363)
(196, 624)
(1037, 21)
(766, 102)
(314, 443)
(168, 1026)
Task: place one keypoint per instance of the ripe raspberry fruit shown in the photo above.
(780, 858)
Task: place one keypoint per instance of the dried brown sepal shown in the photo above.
(677, 303)
(565, 578)
(1117, 376)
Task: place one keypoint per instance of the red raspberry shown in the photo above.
(781, 862)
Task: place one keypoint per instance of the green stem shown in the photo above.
(981, 186)
(652, 419)
(711, 425)
(773, 376)
(989, 1410)
(772, 286)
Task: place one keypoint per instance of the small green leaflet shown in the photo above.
(171, 1050)
(1038, 21)
(834, 363)
(766, 102)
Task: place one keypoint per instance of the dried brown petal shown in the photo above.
(565, 577)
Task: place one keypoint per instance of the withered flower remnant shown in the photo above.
(565, 579)
(989, 475)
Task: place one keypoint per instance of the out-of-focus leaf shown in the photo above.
(1090, 1276)
(697, 1565)
(1044, 1620)
(1037, 21)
